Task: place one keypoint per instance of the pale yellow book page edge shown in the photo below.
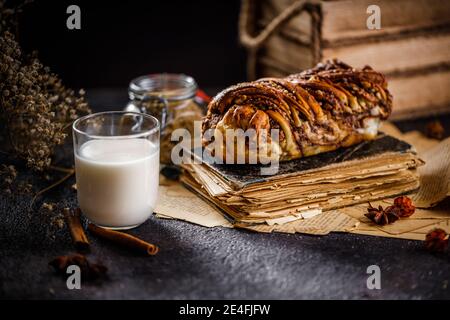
(175, 201)
(434, 176)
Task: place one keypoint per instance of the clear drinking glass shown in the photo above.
(117, 167)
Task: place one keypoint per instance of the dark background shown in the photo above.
(120, 40)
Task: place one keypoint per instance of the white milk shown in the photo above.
(117, 181)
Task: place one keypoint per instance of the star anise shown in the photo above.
(89, 270)
(405, 206)
(436, 240)
(382, 216)
(435, 130)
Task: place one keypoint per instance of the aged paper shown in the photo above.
(400, 226)
(420, 219)
(420, 142)
(418, 234)
(442, 224)
(179, 203)
(307, 214)
(175, 201)
(330, 221)
(442, 211)
(434, 176)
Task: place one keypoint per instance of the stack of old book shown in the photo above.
(411, 47)
(305, 187)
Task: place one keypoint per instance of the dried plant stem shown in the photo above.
(69, 173)
(61, 169)
(67, 126)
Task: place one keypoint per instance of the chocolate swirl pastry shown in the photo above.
(321, 109)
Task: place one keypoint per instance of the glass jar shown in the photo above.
(117, 167)
(177, 89)
(170, 98)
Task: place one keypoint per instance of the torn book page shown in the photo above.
(175, 201)
(434, 176)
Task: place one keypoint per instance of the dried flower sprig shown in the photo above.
(8, 175)
(435, 129)
(35, 107)
(9, 10)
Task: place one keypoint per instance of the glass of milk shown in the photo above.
(117, 167)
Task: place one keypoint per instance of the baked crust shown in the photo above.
(321, 109)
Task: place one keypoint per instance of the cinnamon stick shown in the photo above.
(79, 238)
(124, 239)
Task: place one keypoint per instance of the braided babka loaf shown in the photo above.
(330, 106)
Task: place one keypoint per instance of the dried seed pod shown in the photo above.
(436, 240)
(435, 130)
(89, 271)
(405, 206)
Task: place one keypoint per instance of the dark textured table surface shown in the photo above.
(201, 263)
